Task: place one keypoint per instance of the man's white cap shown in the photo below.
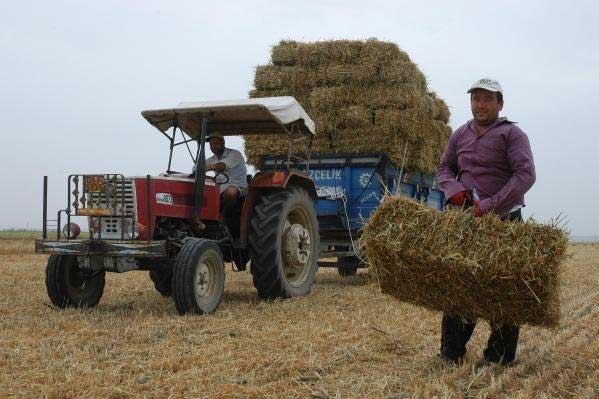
(215, 135)
(486, 84)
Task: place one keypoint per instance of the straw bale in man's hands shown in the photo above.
(475, 267)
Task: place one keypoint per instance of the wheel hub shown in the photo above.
(296, 246)
(202, 279)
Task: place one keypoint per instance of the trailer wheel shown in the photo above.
(284, 244)
(69, 286)
(198, 277)
(162, 276)
(348, 266)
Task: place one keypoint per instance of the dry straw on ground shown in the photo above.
(16, 247)
(365, 96)
(343, 340)
(17, 242)
(476, 267)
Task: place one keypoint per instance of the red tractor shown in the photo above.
(171, 224)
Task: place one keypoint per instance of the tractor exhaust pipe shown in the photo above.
(200, 177)
(45, 210)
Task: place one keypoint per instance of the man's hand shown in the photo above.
(218, 167)
(476, 210)
(463, 198)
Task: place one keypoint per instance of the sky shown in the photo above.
(76, 75)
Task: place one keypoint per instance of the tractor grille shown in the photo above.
(111, 226)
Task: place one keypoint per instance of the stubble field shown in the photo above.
(343, 340)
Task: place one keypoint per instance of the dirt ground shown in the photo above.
(343, 340)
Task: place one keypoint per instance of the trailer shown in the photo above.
(349, 188)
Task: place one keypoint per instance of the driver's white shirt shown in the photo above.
(234, 168)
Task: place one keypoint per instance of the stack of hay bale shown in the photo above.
(365, 96)
(475, 267)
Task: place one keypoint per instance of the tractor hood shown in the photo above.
(268, 115)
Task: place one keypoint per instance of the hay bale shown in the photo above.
(476, 267)
(389, 72)
(406, 122)
(356, 91)
(255, 146)
(361, 74)
(419, 156)
(290, 53)
(440, 109)
(269, 77)
(380, 95)
(353, 116)
(284, 53)
(273, 77)
(353, 132)
(351, 140)
(402, 72)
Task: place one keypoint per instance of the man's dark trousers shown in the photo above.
(455, 333)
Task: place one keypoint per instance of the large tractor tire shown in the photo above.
(69, 286)
(161, 275)
(284, 244)
(198, 277)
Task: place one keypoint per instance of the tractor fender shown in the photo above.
(267, 181)
(282, 179)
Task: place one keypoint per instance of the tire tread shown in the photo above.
(269, 282)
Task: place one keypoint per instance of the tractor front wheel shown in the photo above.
(69, 286)
(198, 277)
(284, 244)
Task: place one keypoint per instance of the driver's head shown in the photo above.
(217, 143)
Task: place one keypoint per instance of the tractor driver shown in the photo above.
(230, 162)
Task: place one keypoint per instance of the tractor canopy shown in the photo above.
(268, 115)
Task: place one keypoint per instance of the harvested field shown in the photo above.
(18, 242)
(343, 340)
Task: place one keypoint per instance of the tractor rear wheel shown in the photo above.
(69, 286)
(284, 244)
(198, 277)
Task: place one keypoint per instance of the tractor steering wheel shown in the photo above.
(216, 173)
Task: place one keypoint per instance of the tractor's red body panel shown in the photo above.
(173, 198)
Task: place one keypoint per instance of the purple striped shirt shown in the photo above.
(498, 165)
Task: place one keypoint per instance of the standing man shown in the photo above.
(230, 162)
(487, 165)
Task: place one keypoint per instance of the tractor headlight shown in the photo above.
(71, 231)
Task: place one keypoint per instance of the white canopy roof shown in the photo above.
(268, 115)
